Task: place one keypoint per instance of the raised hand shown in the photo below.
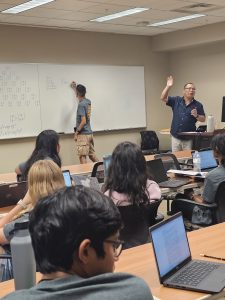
(73, 85)
(169, 81)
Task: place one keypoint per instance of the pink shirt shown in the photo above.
(152, 191)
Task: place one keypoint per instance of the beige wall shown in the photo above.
(21, 44)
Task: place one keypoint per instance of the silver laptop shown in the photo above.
(176, 268)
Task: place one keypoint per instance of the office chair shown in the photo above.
(98, 171)
(217, 209)
(136, 221)
(149, 142)
(171, 162)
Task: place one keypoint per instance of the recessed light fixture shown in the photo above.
(120, 14)
(25, 6)
(176, 20)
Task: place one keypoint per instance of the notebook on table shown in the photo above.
(157, 171)
(11, 193)
(176, 268)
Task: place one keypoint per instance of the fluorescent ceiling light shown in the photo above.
(120, 14)
(177, 20)
(25, 6)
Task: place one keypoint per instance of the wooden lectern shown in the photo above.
(202, 140)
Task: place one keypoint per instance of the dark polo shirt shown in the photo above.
(183, 121)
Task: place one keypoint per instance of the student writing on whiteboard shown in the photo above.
(83, 135)
(186, 112)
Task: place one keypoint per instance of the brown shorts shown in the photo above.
(85, 145)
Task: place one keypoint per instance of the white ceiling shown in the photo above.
(75, 15)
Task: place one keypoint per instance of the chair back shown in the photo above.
(149, 141)
(98, 171)
(136, 222)
(220, 201)
(169, 161)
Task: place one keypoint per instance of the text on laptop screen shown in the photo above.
(207, 159)
(170, 244)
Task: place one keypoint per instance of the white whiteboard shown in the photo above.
(34, 97)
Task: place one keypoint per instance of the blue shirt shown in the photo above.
(183, 121)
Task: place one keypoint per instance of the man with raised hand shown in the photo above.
(186, 112)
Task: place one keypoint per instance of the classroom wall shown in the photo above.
(37, 45)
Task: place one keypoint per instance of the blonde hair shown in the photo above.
(44, 178)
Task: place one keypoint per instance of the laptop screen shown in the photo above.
(207, 159)
(170, 244)
(106, 163)
(156, 170)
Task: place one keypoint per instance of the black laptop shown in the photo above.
(176, 268)
(208, 161)
(157, 171)
(11, 193)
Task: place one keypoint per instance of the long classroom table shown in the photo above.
(85, 169)
(140, 261)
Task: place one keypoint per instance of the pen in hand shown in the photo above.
(210, 256)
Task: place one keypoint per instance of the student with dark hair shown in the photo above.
(128, 185)
(127, 182)
(186, 112)
(46, 147)
(74, 235)
(216, 176)
(83, 135)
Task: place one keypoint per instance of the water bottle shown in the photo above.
(197, 162)
(23, 261)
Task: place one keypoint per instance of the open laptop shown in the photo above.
(11, 193)
(176, 268)
(208, 161)
(157, 171)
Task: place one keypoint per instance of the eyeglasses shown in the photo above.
(190, 88)
(117, 246)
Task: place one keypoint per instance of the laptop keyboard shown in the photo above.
(174, 182)
(194, 273)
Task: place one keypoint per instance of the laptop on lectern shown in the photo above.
(176, 268)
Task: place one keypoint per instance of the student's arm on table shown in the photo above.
(3, 239)
(21, 205)
(18, 171)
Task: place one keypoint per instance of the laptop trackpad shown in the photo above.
(215, 282)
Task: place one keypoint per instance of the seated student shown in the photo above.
(44, 178)
(47, 147)
(74, 234)
(127, 181)
(127, 184)
(214, 177)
